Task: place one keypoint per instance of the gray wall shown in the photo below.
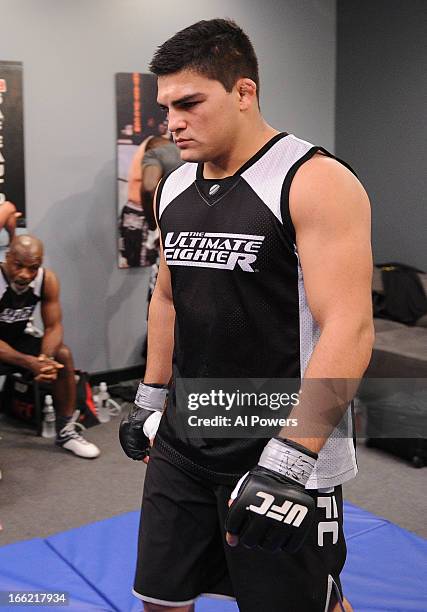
(381, 125)
(71, 50)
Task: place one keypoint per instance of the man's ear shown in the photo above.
(246, 89)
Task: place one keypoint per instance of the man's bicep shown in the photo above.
(50, 304)
(338, 280)
(333, 242)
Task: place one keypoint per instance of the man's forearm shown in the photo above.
(9, 356)
(330, 382)
(161, 323)
(52, 340)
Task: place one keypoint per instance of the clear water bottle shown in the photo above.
(102, 407)
(49, 419)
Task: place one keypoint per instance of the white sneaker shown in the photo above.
(71, 440)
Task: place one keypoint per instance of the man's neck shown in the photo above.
(240, 153)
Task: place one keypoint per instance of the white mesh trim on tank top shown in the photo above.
(3, 285)
(267, 174)
(36, 284)
(337, 459)
(177, 182)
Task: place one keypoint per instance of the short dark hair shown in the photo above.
(218, 49)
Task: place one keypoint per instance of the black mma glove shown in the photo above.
(141, 425)
(271, 508)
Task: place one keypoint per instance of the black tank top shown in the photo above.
(237, 289)
(17, 309)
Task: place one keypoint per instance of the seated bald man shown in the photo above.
(24, 283)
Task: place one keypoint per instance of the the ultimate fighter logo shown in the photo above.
(212, 250)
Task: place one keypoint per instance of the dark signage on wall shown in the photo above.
(12, 170)
(138, 114)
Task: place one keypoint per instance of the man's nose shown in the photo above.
(176, 121)
(25, 274)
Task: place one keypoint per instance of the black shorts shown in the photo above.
(28, 344)
(182, 552)
(25, 343)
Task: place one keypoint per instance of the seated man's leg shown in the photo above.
(64, 388)
(64, 399)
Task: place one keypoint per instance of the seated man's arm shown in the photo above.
(9, 356)
(51, 315)
(40, 368)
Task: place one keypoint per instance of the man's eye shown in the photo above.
(188, 104)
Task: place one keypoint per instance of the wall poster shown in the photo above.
(138, 119)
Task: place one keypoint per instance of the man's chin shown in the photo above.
(187, 155)
(19, 288)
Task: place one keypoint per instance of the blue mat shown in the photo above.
(386, 565)
(34, 566)
(385, 569)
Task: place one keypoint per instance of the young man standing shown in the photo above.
(265, 273)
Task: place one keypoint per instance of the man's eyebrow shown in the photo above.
(180, 100)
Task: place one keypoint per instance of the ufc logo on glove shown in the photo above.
(288, 512)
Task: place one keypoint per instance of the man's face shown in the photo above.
(202, 115)
(22, 268)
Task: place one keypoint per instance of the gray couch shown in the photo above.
(400, 351)
(392, 414)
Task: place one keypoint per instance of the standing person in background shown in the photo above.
(135, 217)
(132, 224)
(161, 157)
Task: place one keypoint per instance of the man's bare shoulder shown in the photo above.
(324, 186)
(50, 284)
